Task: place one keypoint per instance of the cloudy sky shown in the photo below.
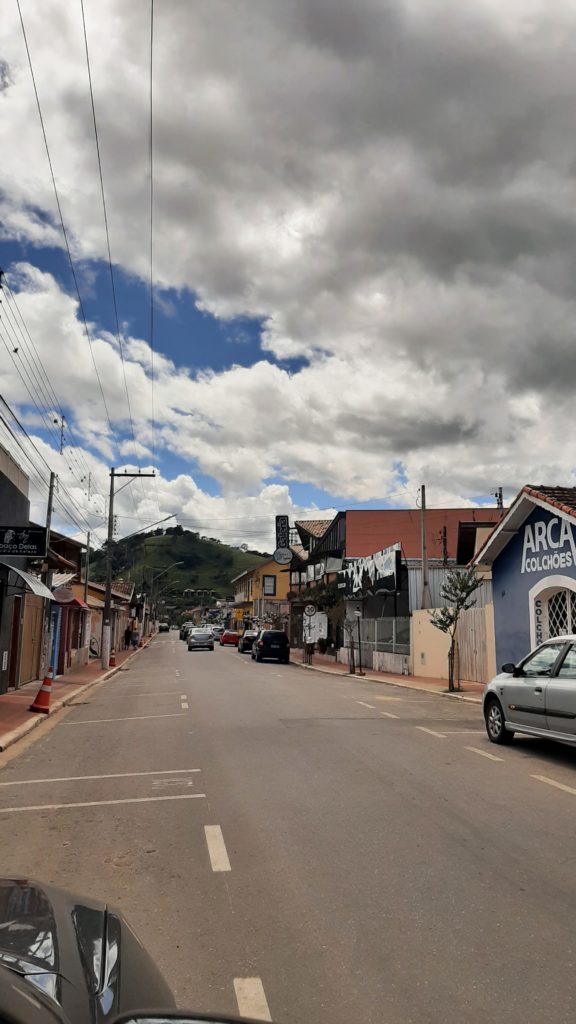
(364, 252)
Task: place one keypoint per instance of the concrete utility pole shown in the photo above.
(106, 622)
(499, 498)
(87, 566)
(426, 598)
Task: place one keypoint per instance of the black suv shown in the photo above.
(271, 643)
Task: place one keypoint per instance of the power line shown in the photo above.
(49, 390)
(64, 232)
(151, 289)
(105, 213)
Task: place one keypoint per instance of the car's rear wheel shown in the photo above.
(496, 723)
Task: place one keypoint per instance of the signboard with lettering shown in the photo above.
(23, 541)
(282, 532)
(548, 546)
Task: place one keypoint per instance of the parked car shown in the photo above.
(185, 629)
(271, 643)
(217, 631)
(246, 641)
(537, 696)
(200, 639)
(229, 638)
(164, 627)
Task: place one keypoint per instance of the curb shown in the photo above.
(392, 681)
(36, 720)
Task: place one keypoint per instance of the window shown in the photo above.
(558, 614)
(269, 586)
(568, 668)
(542, 662)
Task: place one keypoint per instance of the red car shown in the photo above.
(229, 638)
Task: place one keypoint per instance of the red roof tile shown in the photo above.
(562, 498)
(315, 527)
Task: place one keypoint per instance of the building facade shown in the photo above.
(532, 553)
(261, 596)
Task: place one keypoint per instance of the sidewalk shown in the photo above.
(470, 691)
(15, 717)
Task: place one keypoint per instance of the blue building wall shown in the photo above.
(548, 549)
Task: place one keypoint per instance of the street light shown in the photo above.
(157, 577)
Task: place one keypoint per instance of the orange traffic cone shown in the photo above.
(42, 699)
(112, 661)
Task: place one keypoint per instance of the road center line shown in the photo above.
(85, 778)
(388, 714)
(217, 848)
(431, 732)
(364, 705)
(184, 706)
(251, 998)
(552, 782)
(133, 718)
(484, 753)
(103, 803)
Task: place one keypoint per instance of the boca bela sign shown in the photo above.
(548, 546)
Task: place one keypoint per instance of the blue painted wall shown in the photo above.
(510, 586)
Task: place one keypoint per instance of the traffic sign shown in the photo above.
(310, 610)
(282, 556)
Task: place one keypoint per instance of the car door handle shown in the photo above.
(537, 689)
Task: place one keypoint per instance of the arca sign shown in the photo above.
(545, 546)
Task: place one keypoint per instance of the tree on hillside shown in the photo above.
(457, 592)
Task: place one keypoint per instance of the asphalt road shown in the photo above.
(331, 849)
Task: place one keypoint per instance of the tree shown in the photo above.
(457, 593)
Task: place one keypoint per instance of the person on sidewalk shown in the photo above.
(135, 638)
(127, 637)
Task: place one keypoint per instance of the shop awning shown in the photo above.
(31, 582)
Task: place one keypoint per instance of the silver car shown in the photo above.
(200, 639)
(537, 696)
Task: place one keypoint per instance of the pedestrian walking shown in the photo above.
(135, 638)
(127, 637)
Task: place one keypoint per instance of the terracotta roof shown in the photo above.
(315, 527)
(562, 498)
(123, 587)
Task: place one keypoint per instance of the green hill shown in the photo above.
(207, 564)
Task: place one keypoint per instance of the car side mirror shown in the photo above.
(509, 667)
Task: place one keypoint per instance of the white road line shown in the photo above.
(177, 671)
(378, 697)
(183, 696)
(251, 998)
(388, 714)
(431, 732)
(464, 732)
(217, 848)
(552, 782)
(103, 803)
(85, 778)
(484, 753)
(184, 706)
(364, 705)
(133, 718)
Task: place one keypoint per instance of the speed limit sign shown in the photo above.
(310, 610)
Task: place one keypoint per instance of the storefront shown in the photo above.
(532, 553)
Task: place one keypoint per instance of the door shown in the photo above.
(525, 694)
(561, 696)
(31, 638)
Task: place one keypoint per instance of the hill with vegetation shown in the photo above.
(207, 565)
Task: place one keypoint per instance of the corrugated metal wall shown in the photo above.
(436, 577)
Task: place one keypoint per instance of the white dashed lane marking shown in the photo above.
(388, 714)
(217, 848)
(484, 753)
(552, 782)
(251, 998)
(364, 705)
(103, 803)
(431, 732)
(131, 718)
(86, 778)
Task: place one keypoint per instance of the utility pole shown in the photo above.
(426, 599)
(47, 579)
(105, 646)
(499, 498)
(48, 574)
(87, 566)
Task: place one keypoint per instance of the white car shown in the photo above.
(537, 696)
